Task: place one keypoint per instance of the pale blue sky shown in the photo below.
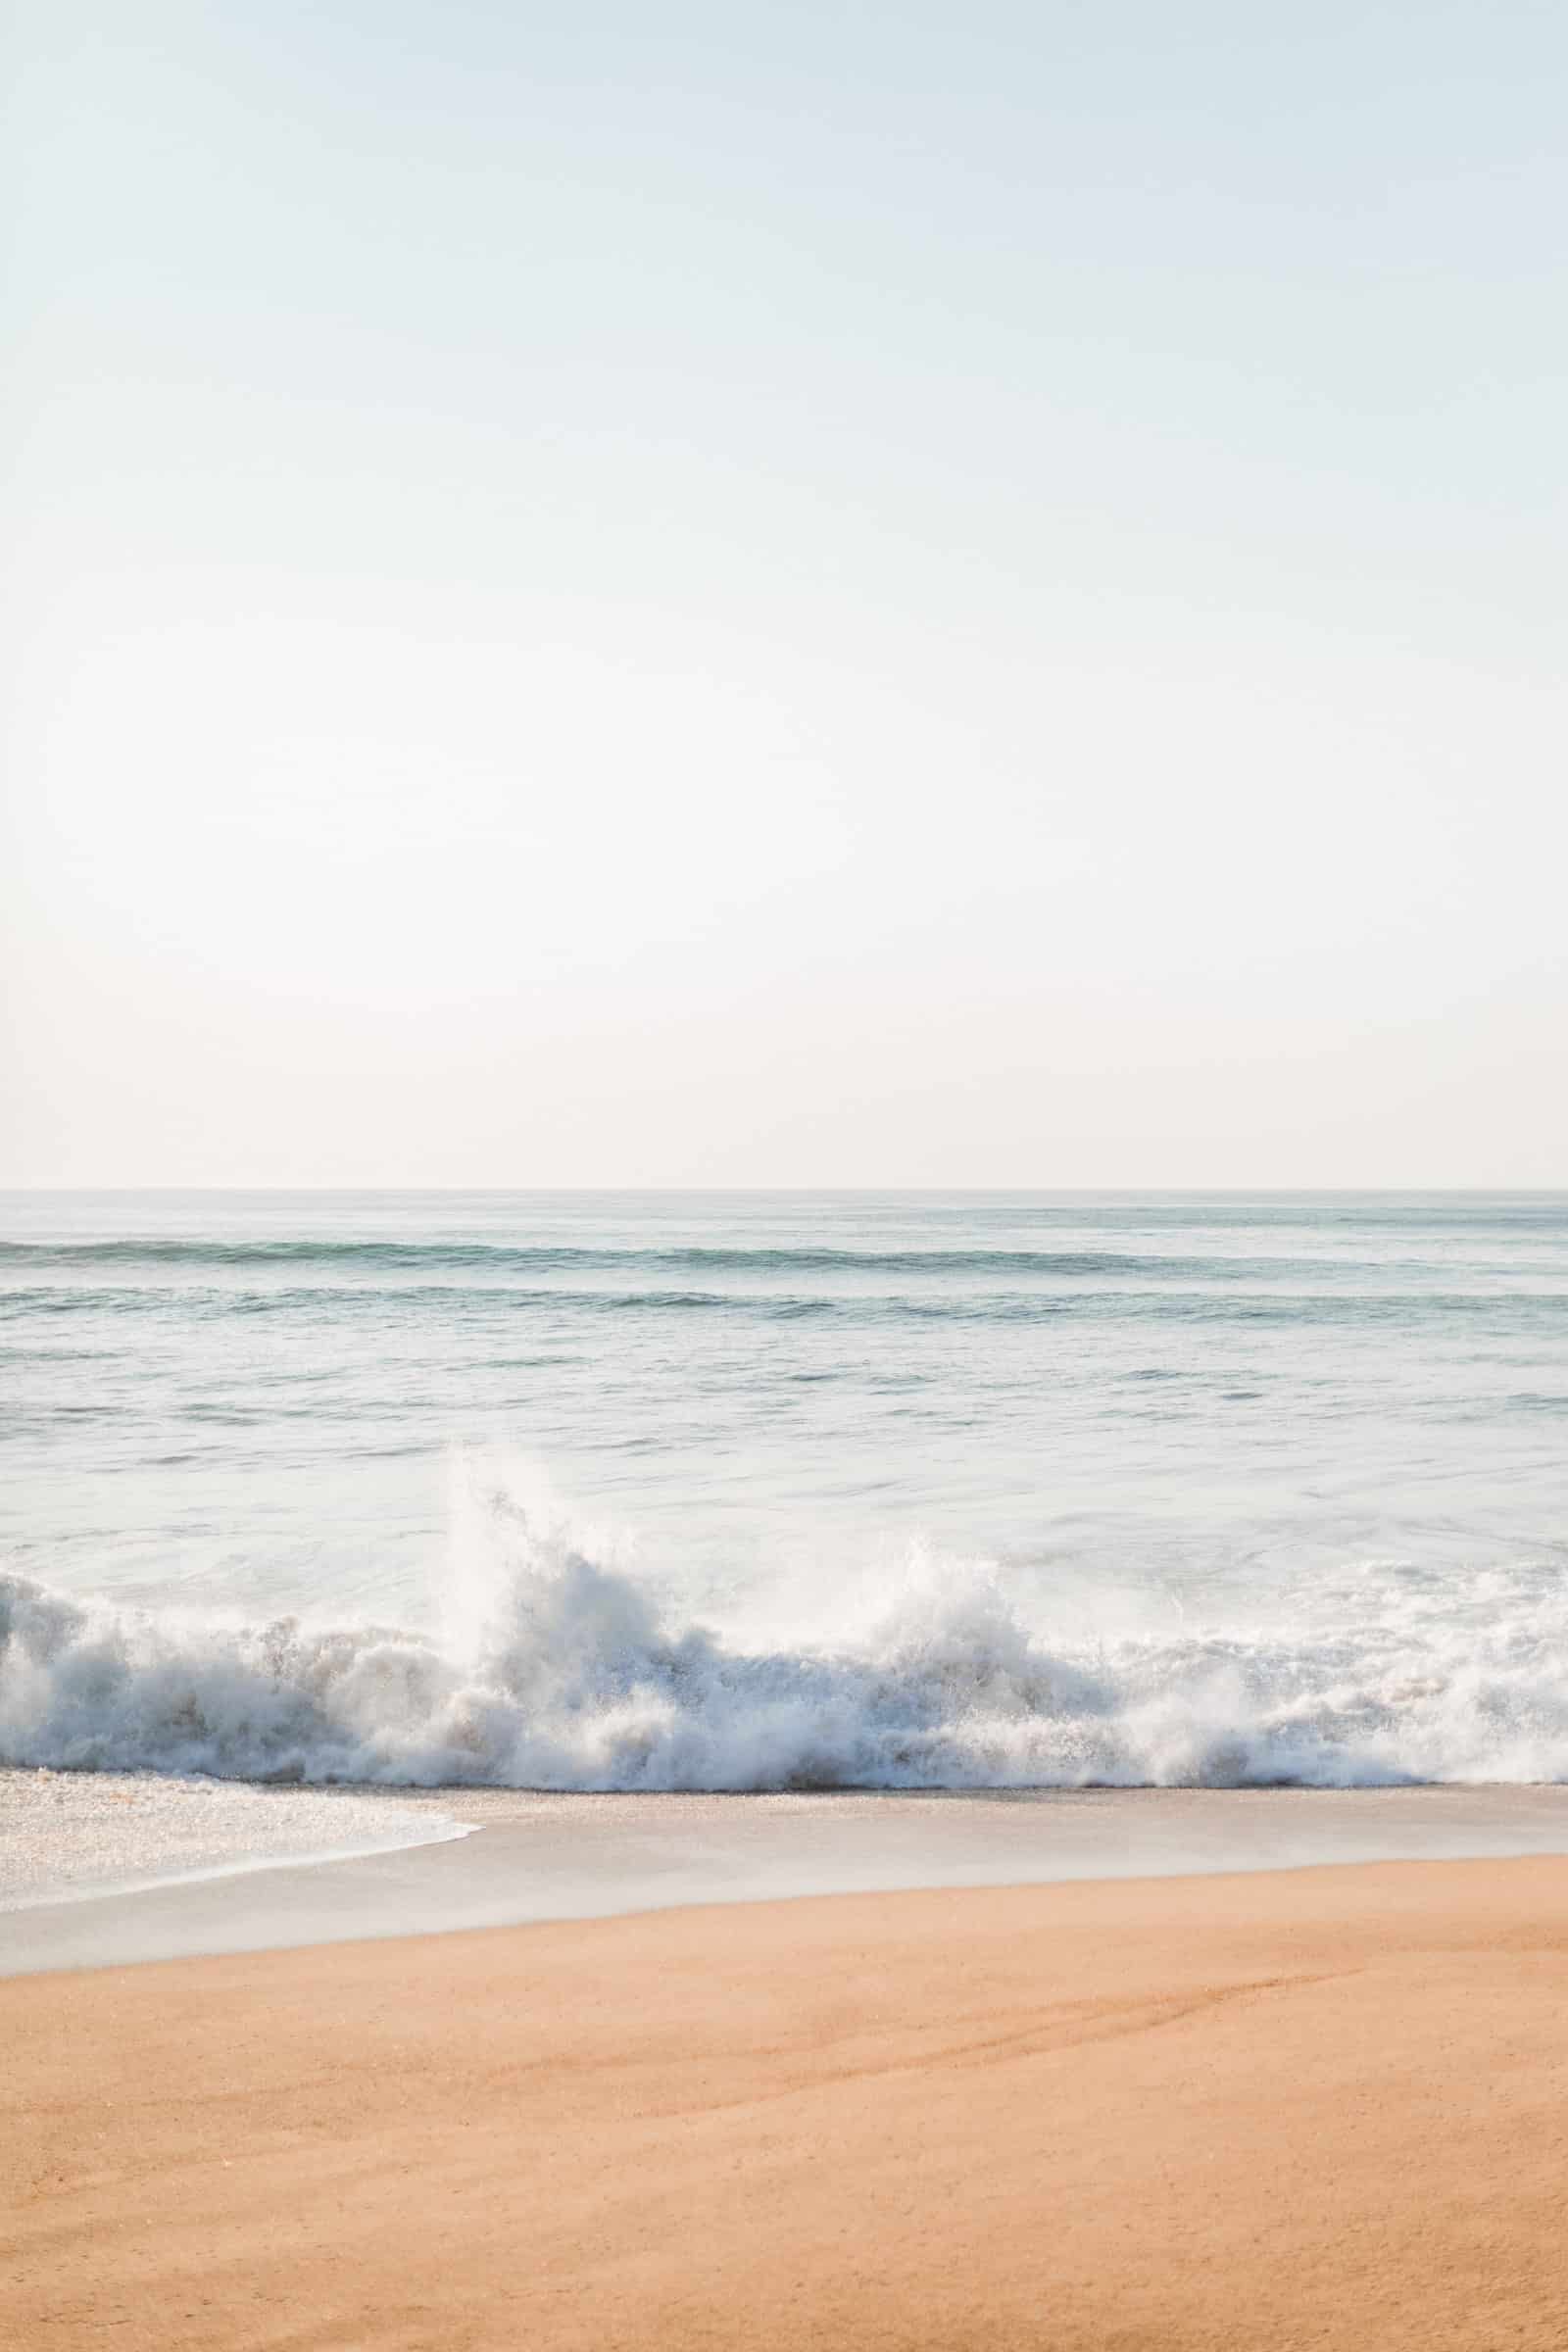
(787, 595)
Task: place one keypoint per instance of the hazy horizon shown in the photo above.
(1043, 1191)
(777, 599)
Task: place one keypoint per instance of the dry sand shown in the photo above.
(1325, 2108)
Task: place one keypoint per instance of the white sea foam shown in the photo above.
(72, 1833)
(554, 1670)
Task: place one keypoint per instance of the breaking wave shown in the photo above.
(557, 1671)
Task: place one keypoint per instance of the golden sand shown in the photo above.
(1321, 2109)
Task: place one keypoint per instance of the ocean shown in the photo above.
(686, 1491)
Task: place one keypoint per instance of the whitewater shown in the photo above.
(752, 1492)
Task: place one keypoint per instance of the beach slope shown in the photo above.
(1322, 2108)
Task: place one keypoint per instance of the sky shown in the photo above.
(785, 595)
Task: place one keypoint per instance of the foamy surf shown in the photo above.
(68, 1835)
(556, 1671)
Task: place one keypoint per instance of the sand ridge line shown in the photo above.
(1105, 2022)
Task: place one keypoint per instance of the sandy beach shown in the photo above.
(1322, 2107)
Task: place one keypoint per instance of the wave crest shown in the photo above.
(559, 1672)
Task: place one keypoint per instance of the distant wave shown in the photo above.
(504, 1259)
(558, 1672)
(1515, 1310)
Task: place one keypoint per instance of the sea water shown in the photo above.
(749, 1491)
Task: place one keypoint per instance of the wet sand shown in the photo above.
(534, 1857)
(1324, 2108)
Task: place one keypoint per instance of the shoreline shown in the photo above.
(201, 1874)
(496, 1858)
(1322, 2107)
(78, 1836)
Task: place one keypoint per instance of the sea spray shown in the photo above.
(554, 1667)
